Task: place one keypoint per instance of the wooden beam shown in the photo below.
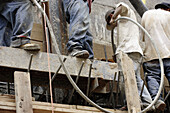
(44, 107)
(23, 92)
(131, 90)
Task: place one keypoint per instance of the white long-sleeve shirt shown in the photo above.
(157, 23)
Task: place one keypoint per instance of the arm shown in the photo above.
(118, 11)
(121, 9)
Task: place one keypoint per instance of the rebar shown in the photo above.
(30, 62)
(77, 78)
(111, 91)
(88, 83)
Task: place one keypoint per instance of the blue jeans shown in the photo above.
(16, 21)
(137, 58)
(154, 75)
(77, 14)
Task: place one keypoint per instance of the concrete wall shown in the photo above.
(97, 25)
(100, 7)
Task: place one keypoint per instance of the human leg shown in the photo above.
(152, 68)
(153, 77)
(5, 32)
(88, 44)
(146, 97)
(77, 13)
(20, 16)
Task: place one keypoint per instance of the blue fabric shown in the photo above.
(77, 14)
(16, 21)
(137, 58)
(154, 75)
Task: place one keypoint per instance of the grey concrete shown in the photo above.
(100, 7)
(97, 26)
(19, 59)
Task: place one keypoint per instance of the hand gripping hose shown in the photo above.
(159, 57)
(63, 66)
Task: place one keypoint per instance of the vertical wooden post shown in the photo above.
(131, 90)
(59, 24)
(23, 97)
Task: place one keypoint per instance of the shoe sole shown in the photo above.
(29, 48)
(82, 55)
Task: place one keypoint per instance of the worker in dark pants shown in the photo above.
(80, 38)
(157, 23)
(16, 22)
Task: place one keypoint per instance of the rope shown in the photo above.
(51, 94)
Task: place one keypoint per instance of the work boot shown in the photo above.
(30, 47)
(160, 105)
(79, 53)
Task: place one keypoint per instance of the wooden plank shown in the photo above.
(37, 32)
(23, 92)
(58, 21)
(7, 111)
(44, 107)
(166, 83)
(9, 98)
(131, 90)
(98, 50)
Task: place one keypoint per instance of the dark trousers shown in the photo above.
(77, 14)
(154, 75)
(16, 21)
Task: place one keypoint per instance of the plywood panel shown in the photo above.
(37, 32)
(44, 107)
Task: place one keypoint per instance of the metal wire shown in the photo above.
(159, 57)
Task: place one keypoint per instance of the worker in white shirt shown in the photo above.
(127, 36)
(157, 23)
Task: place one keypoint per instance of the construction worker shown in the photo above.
(157, 23)
(16, 21)
(128, 42)
(80, 38)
